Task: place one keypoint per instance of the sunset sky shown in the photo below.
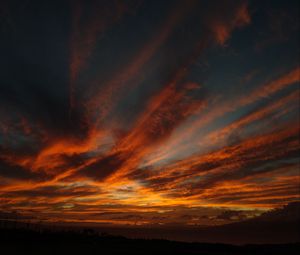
(148, 112)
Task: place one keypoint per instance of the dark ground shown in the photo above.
(87, 241)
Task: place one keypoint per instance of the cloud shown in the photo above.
(223, 26)
(14, 216)
(8, 170)
(289, 212)
(258, 115)
(232, 215)
(105, 98)
(89, 22)
(54, 193)
(103, 167)
(107, 116)
(224, 108)
(200, 176)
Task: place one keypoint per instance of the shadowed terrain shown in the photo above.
(25, 241)
(274, 232)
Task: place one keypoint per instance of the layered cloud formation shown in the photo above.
(142, 112)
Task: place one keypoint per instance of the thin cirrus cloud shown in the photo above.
(113, 118)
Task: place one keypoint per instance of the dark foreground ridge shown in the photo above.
(87, 241)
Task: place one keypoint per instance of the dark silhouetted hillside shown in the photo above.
(274, 227)
(87, 241)
(274, 232)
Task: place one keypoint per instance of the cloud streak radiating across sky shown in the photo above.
(147, 112)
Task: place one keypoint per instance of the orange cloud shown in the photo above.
(218, 110)
(88, 24)
(222, 29)
(258, 115)
(194, 175)
(105, 97)
(79, 169)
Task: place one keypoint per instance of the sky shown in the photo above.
(147, 112)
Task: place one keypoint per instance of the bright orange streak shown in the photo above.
(180, 141)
